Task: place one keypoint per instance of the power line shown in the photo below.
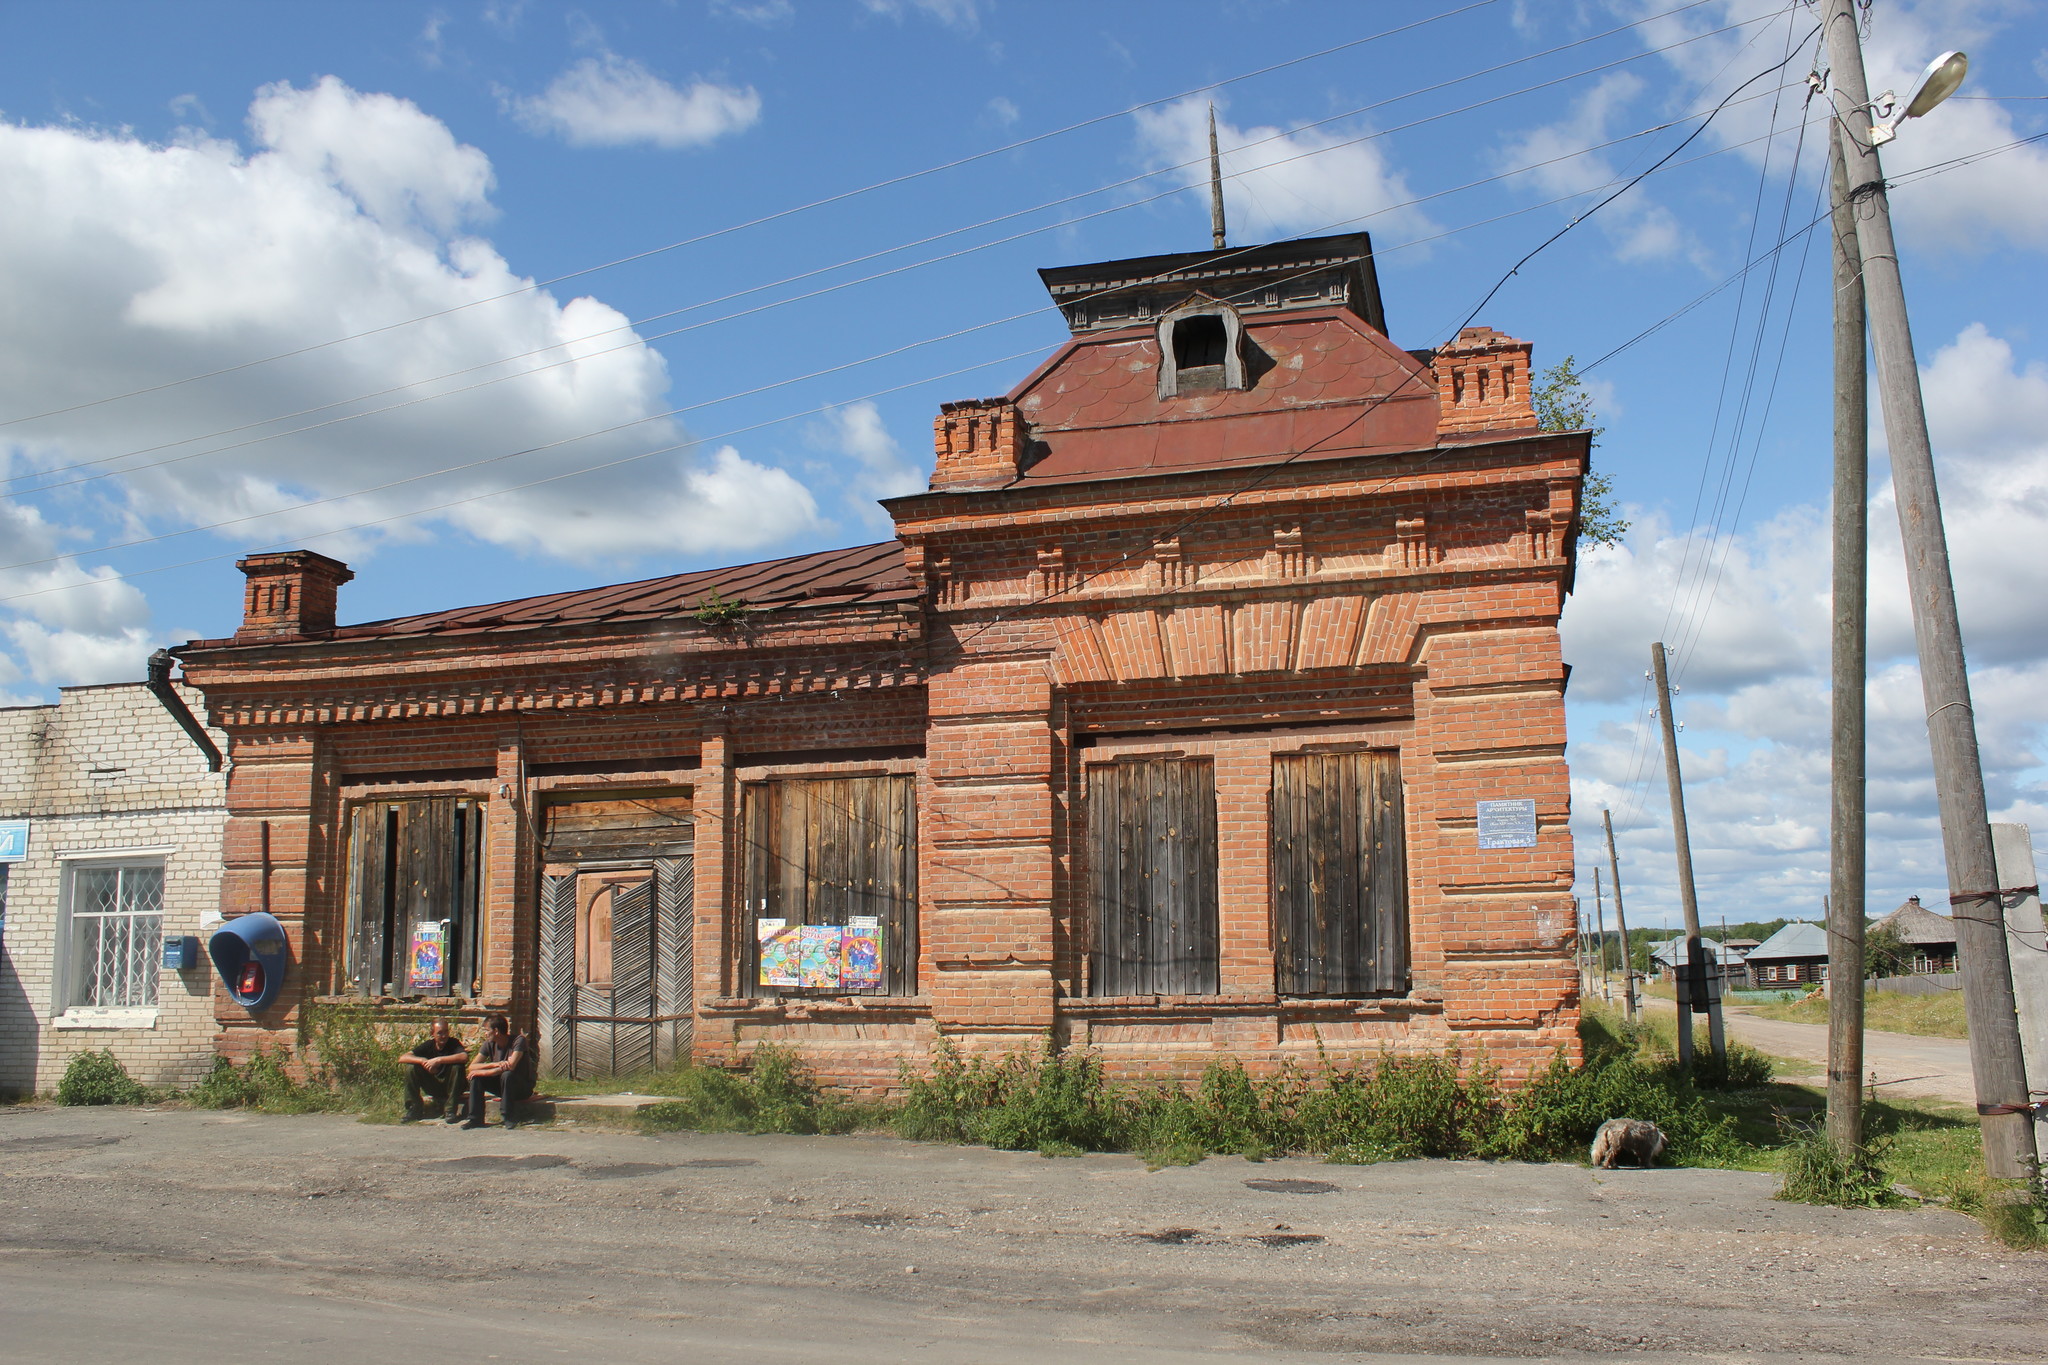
(1056, 203)
(776, 216)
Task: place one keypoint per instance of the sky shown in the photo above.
(491, 299)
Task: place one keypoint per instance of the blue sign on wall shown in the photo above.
(1507, 824)
(13, 841)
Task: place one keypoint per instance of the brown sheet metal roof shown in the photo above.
(864, 574)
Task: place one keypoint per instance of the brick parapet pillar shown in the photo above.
(714, 921)
(986, 852)
(278, 858)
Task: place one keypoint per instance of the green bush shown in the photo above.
(1817, 1172)
(99, 1078)
(775, 1094)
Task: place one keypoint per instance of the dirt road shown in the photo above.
(1905, 1063)
(199, 1237)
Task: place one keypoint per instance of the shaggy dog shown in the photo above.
(1633, 1139)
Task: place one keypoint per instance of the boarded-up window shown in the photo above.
(1152, 856)
(1340, 874)
(413, 878)
(832, 852)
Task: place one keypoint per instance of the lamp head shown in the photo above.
(1937, 83)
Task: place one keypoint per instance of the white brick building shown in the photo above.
(123, 852)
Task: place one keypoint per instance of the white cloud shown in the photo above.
(766, 13)
(856, 431)
(1640, 228)
(1755, 679)
(964, 15)
(614, 101)
(1288, 182)
(146, 264)
(1968, 208)
(1002, 112)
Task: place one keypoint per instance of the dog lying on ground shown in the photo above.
(1631, 1139)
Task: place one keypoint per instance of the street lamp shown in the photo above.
(1936, 84)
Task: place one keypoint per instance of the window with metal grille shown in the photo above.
(117, 929)
(827, 858)
(1152, 859)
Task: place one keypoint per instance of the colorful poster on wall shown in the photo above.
(778, 940)
(860, 954)
(818, 963)
(426, 961)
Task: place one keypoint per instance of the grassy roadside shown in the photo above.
(1931, 1016)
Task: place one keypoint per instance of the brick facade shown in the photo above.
(106, 774)
(1358, 548)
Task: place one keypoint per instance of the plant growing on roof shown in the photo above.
(715, 611)
(1562, 404)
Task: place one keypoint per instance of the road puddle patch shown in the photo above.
(716, 1163)
(483, 1164)
(57, 1142)
(624, 1170)
(1293, 1186)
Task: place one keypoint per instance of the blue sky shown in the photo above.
(186, 189)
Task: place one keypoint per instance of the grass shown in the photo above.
(1939, 1015)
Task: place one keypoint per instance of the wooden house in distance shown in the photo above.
(1208, 704)
(1932, 937)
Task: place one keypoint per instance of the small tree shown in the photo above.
(1562, 404)
(1886, 954)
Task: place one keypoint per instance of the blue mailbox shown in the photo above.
(181, 953)
(250, 953)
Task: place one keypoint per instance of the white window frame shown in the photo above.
(67, 1012)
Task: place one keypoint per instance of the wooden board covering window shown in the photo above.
(823, 850)
(413, 863)
(1340, 874)
(1152, 856)
(581, 828)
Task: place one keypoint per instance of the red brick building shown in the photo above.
(1166, 725)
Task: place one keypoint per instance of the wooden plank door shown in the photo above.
(675, 895)
(1339, 874)
(557, 993)
(1152, 859)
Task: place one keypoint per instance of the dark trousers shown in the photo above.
(512, 1087)
(443, 1084)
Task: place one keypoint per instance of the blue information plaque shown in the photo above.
(13, 841)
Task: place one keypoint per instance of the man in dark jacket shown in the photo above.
(434, 1067)
(504, 1067)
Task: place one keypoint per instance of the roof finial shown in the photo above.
(1215, 183)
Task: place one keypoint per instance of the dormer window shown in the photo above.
(1200, 350)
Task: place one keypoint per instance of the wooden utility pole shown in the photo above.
(1698, 989)
(1628, 966)
(1600, 918)
(1995, 1061)
(1845, 897)
(1215, 185)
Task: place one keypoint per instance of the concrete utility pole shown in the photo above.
(1628, 968)
(1995, 1063)
(1215, 185)
(1698, 989)
(1845, 897)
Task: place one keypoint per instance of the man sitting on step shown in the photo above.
(504, 1067)
(434, 1067)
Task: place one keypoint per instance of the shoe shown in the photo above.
(509, 1124)
(475, 1123)
(453, 1118)
(410, 1118)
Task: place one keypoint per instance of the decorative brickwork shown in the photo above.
(290, 594)
(1358, 551)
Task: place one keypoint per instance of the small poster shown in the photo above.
(778, 940)
(818, 960)
(13, 841)
(1507, 824)
(860, 954)
(426, 962)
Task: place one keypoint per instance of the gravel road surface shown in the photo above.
(205, 1237)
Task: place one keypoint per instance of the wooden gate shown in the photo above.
(615, 968)
(1340, 874)
(1152, 856)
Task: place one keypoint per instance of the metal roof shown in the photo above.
(1797, 939)
(862, 575)
(1673, 951)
